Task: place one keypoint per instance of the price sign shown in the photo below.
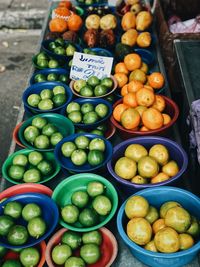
(86, 65)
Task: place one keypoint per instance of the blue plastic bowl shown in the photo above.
(46, 72)
(37, 88)
(94, 102)
(50, 214)
(146, 55)
(156, 197)
(66, 163)
(102, 52)
(176, 152)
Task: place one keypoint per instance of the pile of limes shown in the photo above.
(44, 61)
(48, 99)
(51, 77)
(62, 48)
(41, 134)
(87, 206)
(93, 86)
(15, 233)
(168, 230)
(30, 168)
(88, 245)
(86, 113)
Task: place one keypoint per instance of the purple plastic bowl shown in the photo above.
(176, 153)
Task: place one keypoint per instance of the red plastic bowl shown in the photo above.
(171, 109)
(15, 134)
(11, 255)
(111, 131)
(109, 248)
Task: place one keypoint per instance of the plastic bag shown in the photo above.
(188, 26)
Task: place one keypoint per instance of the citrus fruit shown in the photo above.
(36, 227)
(30, 133)
(46, 93)
(80, 199)
(148, 167)
(159, 103)
(151, 246)
(20, 160)
(130, 100)
(90, 253)
(90, 117)
(171, 168)
(102, 205)
(35, 157)
(16, 172)
(61, 253)
(138, 75)
(124, 90)
(167, 240)
(160, 177)
(135, 152)
(144, 129)
(144, 39)
(6, 222)
(143, 20)
(45, 167)
(152, 119)
(121, 78)
(68, 148)
(55, 138)
(144, 67)
(58, 25)
(93, 81)
(141, 109)
(129, 37)
(130, 118)
(125, 168)
(121, 67)
(17, 235)
(88, 217)
(186, 241)
(95, 189)
(145, 97)
(29, 257)
(45, 104)
(93, 237)
(74, 262)
(87, 107)
(118, 110)
(166, 206)
(41, 142)
(74, 22)
(132, 61)
(134, 86)
(75, 116)
(139, 180)
(101, 110)
(156, 80)
(136, 206)
(79, 157)
(159, 153)
(33, 100)
(152, 215)
(158, 225)
(167, 118)
(31, 211)
(70, 214)
(72, 239)
(13, 209)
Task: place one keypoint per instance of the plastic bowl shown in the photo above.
(146, 55)
(15, 135)
(176, 152)
(171, 109)
(64, 126)
(62, 196)
(156, 197)
(34, 61)
(49, 213)
(11, 255)
(49, 156)
(94, 102)
(111, 131)
(37, 88)
(109, 248)
(93, 97)
(101, 52)
(66, 163)
(46, 72)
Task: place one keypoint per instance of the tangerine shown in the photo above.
(132, 61)
(118, 110)
(121, 78)
(75, 22)
(145, 97)
(158, 225)
(62, 11)
(124, 90)
(58, 25)
(159, 103)
(134, 86)
(138, 75)
(152, 119)
(121, 67)
(166, 118)
(144, 129)
(130, 100)
(66, 4)
(130, 118)
(156, 80)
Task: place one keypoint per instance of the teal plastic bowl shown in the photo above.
(49, 156)
(64, 126)
(63, 192)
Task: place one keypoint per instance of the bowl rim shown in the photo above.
(71, 85)
(26, 151)
(143, 251)
(15, 134)
(78, 177)
(156, 138)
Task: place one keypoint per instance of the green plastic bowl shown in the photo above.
(49, 156)
(64, 126)
(63, 192)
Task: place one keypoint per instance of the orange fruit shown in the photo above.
(144, 39)
(156, 80)
(134, 86)
(144, 67)
(148, 87)
(138, 75)
(128, 21)
(158, 225)
(144, 129)
(75, 22)
(166, 118)
(130, 118)
(62, 11)
(66, 4)
(132, 61)
(118, 110)
(145, 97)
(58, 25)
(130, 100)
(121, 67)
(159, 103)
(124, 90)
(152, 119)
(141, 109)
(121, 78)
(161, 177)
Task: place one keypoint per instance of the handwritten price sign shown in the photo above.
(86, 65)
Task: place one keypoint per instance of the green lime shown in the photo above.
(31, 211)
(108, 82)
(41, 55)
(93, 237)
(46, 94)
(39, 78)
(41, 142)
(42, 63)
(35, 157)
(17, 235)
(101, 110)
(88, 217)
(59, 50)
(32, 176)
(59, 100)
(59, 89)
(90, 117)
(102, 127)
(90, 253)
(87, 107)
(72, 239)
(36, 227)
(30, 133)
(82, 142)
(63, 78)
(95, 157)
(61, 253)
(11, 263)
(29, 257)
(16, 172)
(95, 189)
(33, 100)
(98, 132)
(68, 148)
(52, 77)
(73, 106)
(3, 251)
(53, 64)
(39, 122)
(70, 214)
(20, 160)
(49, 129)
(93, 81)
(79, 157)
(75, 116)
(59, 42)
(52, 46)
(45, 104)
(102, 205)
(75, 262)
(45, 167)
(97, 144)
(86, 91)
(6, 222)
(70, 49)
(79, 84)
(80, 199)
(100, 90)
(56, 138)
(194, 228)
(13, 209)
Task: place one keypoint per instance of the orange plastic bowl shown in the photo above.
(109, 248)
(15, 134)
(171, 109)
